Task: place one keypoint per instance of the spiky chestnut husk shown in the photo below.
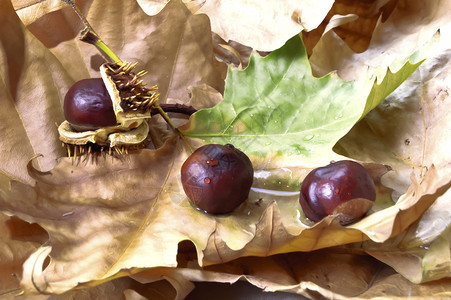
(132, 103)
(134, 96)
(91, 152)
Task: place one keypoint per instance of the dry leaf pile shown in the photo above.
(293, 85)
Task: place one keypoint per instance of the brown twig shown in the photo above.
(175, 108)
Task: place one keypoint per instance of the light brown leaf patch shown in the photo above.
(17, 241)
(261, 25)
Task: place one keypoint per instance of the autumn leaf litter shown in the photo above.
(121, 222)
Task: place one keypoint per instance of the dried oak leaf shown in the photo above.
(261, 25)
(30, 89)
(277, 231)
(324, 274)
(409, 25)
(410, 131)
(120, 288)
(18, 241)
(119, 217)
(414, 136)
(353, 21)
(422, 252)
(95, 215)
(153, 7)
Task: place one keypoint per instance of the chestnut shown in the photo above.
(88, 105)
(343, 188)
(217, 178)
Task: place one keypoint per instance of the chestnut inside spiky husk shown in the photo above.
(131, 102)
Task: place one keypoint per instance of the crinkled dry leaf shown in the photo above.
(274, 22)
(410, 129)
(277, 231)
(181, 52)
(117, 217)
(105, 219)
(100, 210)
(231, 52)
(17, 241)
(153, 7)
(31, 10)
(410, 24)
(30, 89)
(422, 252)
(353, 21)
(120, 288)
(329, 274)
(261, 25)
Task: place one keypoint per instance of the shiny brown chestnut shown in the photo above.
(88, 106)
(343, 188)
(217, 178)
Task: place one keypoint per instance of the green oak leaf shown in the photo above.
(281, 115)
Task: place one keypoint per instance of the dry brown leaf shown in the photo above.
(17, 241)
(323, 274)
(204, 96)
(121, 288)
(408, 26)
(110, 206)
(231, 52)
(422, 252)
(410, 130)
(113, 218)
(184, 40)
(153, 7)
(30, 10)
(352, 21)
(276, 231)
(261, 25)
(31, 93)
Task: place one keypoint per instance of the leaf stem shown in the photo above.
(89, 36)
(174, 127)
(175, 108)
